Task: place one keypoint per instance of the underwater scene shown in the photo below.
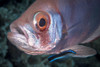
(14, 52)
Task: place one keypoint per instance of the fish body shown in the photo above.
(55, 26)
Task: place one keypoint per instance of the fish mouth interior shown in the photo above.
(22, 32)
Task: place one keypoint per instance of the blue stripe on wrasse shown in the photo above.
(61, 55)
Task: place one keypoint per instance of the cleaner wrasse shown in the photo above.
(56, 26)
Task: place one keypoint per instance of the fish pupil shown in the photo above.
(42, 22)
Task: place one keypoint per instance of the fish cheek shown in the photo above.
(44, 38)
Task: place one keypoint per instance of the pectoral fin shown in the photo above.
(82, 51)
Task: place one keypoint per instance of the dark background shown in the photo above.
(10, 56)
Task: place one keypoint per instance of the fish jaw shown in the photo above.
(24, 37)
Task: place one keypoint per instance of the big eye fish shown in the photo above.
(57, 26)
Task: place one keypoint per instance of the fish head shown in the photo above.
(37, 31)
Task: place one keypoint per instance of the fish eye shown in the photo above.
(41, 21)
(42, 24)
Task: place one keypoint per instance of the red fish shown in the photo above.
(54, 26)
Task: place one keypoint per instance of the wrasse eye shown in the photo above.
(41, 21)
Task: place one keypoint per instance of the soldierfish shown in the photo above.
(57, 26)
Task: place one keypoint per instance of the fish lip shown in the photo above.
(17, 37)
(19, 30)
(24, 33)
